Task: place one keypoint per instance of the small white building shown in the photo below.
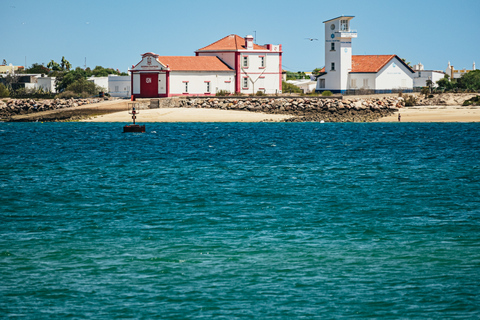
(47, 84)
(306, 85)
(344, 71)
(232, 64)
(421, 76)
(102, 82)
(119, 86)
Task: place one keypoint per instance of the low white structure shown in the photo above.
(421, 76)
(306, 85)
(102, 82)
(47, 84)
(232, 64)
(344, 71)
(119, 86)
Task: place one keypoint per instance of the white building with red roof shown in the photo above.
(232, 64)
(344, 71)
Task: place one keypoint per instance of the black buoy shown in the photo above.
(133, 127)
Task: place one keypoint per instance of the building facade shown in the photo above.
(231, 64)
(344, 71)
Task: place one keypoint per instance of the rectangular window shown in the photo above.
(186, 87)
(262, 62)
(116, 88)
(322, 83)
(354, 83)
(333, 66)
(344, 25)
(208, 86)
(245, 61)
(332, 46)
(245, 83)
(365, 83)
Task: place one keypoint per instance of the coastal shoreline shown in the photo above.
(445, 108)
(408, 114)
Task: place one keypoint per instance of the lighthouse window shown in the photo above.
(333, 66)
(332, 46)
(245, 61)
(344, 25)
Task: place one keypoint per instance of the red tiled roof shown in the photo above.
(373, 63)
(231, 42)
(193, 63)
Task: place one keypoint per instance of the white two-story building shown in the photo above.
(233, 64)
(344, 71)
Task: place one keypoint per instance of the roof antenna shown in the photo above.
(255, 39)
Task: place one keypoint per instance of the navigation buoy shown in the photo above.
(133, 127)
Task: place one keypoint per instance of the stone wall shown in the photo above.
(25, 106)
(304, 109)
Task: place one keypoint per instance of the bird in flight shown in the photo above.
(311, 39)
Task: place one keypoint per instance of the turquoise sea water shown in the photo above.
(233, 221)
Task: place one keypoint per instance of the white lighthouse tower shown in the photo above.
(338, 55)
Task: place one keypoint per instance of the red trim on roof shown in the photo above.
(231, 42)
(194, 63)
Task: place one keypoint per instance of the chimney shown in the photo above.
(249, 42)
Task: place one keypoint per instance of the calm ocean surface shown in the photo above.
(254, 221)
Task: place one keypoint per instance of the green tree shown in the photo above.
(64, 79)
(4, 92)
(82, 85)
(470, 80)
(289, 88)
(37, 68)
(65, 65)
(54, 66)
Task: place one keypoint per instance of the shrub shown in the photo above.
(327, 93)
(71, 94)
(260, 93)
(289, 88)
(4, 92)
(222, 93)
(475, 101)
(410, 101)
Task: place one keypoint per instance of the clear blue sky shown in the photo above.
(115, 33)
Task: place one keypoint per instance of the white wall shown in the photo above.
(362, 81)
(46, 83)
(119, 86)
(197, 82)
(266, 79)
(394, 75)
(136, 83)
(102, 82)
(421, 77)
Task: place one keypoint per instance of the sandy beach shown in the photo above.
(408, 114)
(190, 115)
(435, 114)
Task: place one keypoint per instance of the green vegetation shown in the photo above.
(410, 101)
(475, 101)
(222, 93)
(290, 88)
(327, 93)
(296, 75)
(4, 92)
(467, 83)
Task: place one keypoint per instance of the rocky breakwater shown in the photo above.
(13, 107)
(306, 109)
